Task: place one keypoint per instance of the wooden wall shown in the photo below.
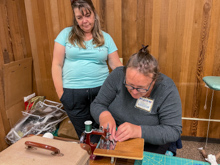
(184, 36)
(14, 46)
(45, 18)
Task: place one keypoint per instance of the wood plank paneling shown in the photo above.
(4, 123)
(110, 18)
(163, 38)
(6, 41)
(14, 45)
(148, 22)
(190, 5)
(183, 35)
(200, 64)
(14, 30)
(23, 28)
(45, 20)
(171, 31)
(117, 33)
(129, 29)
(157, 9)
(141, 22)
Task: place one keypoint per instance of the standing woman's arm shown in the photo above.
(113, 60)
(57, 66)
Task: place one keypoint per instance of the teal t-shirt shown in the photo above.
(85, 68)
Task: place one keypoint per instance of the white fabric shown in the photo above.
(211, 159)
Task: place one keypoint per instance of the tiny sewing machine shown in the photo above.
(105, 148)
(104, 142)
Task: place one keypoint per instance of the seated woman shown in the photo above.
(141, 102)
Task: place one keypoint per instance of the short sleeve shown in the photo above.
(63, 36)
(109, 42)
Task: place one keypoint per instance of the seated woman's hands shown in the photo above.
(106, 119)
(126, 131)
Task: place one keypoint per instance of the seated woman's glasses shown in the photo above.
(142, 90)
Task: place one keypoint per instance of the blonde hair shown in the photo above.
(76, 35)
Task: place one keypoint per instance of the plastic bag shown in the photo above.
(43, 118)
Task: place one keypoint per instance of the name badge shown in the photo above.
(144, 104)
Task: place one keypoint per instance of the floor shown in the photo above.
(190, 150)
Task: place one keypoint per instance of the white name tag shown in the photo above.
(144, 104)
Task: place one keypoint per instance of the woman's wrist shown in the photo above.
(104, 116)
(139, 134)
(60, 93)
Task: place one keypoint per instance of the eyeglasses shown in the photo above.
(141, 90)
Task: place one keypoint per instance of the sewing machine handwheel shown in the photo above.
(86, 147)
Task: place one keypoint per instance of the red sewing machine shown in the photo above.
(104, 142)
(106, 149)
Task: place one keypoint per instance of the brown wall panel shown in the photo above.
(183, 35)
(14, 45)
(45, 20)
(110, 13)
(129, 29)
(5, 34)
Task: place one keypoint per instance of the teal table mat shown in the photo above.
(159, 159)
(212, 82)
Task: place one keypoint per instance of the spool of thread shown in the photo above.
(88, 126)
(48, 135)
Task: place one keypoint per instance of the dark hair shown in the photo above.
(144, 62)
(89, 2)
(77, 34)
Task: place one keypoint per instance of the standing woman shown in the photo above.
(79, 65)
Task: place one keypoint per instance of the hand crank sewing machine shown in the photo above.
(130, 149)
(104, 143)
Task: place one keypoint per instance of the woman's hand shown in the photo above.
(126, 131)
(60, 94)
(106, 119)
